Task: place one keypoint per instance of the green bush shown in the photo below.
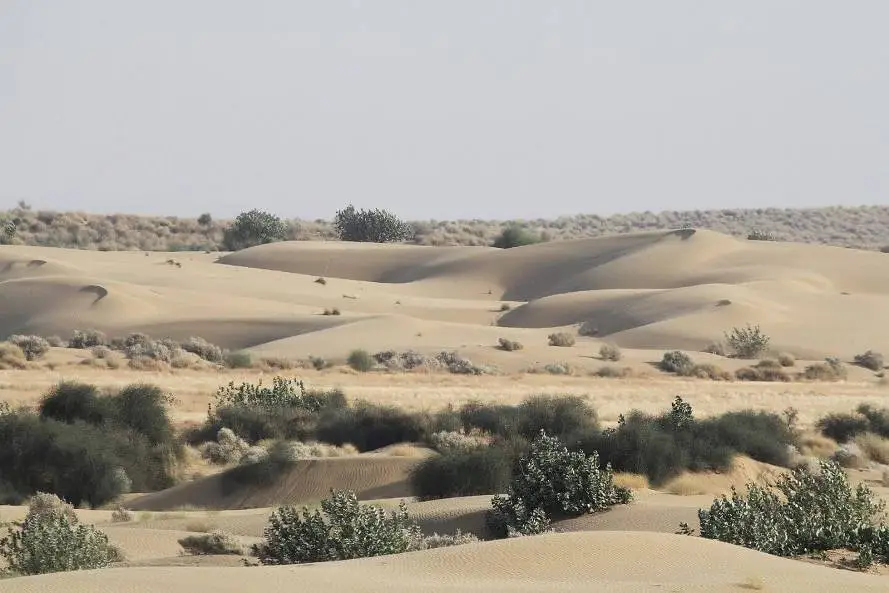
(360, 360)
(252, 228)
(343, 529)
(69, 401)
(142, 408)
(462, 473)
(515, 236)
(553, 482)
(561, 416)
(370, 226)
(842, 427)
(747, 342)
(283, 392)
(238, 360)
(803, 512)
(371, 426)
(661, 447)
(676, 362)
(34, 347)
(52, 540)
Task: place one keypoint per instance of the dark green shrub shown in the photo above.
(877, 419)
(238, 360)
(803, 512)
(215, 543)
(281, 393)
(515, 236)
(370, 226)
(462, 473)
(842, 427)
(561, 416)
(52, 540)
(343, 529)
(552, 482)
(254, 228)
(69, 401)
(142, 408)
(497, 419)
(360, 360)
(254, 424)
(676, 362)
(370, 426)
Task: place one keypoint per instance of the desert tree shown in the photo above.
(370, 226)
(252, 228)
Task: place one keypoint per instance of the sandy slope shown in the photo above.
(652, 290)
(596, 561)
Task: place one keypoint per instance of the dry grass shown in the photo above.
(864, 227)
(874, 447)
(687, 484)
(11, 357)
(631, 481)
(816, 445)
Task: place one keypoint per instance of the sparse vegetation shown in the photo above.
(214, 543)
(676, 362)
(563, 339)
(786, 360)
(33, 347)
(610, 352)
(87, 339)
(829, 370)
(509, 345)
(869, 360)
(515, 236)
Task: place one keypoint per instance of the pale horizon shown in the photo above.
(459, 110)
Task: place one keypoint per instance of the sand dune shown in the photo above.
(307, 481)
(595, 561)
(649, 290)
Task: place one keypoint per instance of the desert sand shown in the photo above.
(645, 292)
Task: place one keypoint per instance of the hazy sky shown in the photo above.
(447, 109)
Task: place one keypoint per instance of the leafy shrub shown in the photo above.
(343, 529)
(874, 447)
(252, 228)
(747, 342)
(610, 352)
(203, 349)
(33, 347)
(842, 427)
(509, 345)
(515, 236)
(122, 515)
(557, 369)
(661, 447)
(238, 360)
(69, 401)
(877, 419)
(282, 392)
(214, 543)
(52, 540)
(561, 416)
(87, 339)
(801, 513)
(370, 226)
(676, 362)
(869, 360)
(370, 426)
(360, 360)
(563, 339)
(552, 482)
(142, 408)
(462, 473)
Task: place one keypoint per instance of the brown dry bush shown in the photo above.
(11, 357)
(561, 339)
(509, 345)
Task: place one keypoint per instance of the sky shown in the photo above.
(491, 109)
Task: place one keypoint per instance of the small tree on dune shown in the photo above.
(254, 228)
